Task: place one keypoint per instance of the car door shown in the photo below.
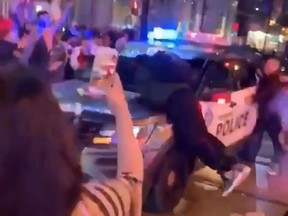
(245, 110)
(215, 96)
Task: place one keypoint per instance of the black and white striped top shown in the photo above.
(113, 197)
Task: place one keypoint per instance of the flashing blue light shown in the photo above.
(170, 45)
(164, 34)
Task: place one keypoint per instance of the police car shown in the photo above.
(226, 82)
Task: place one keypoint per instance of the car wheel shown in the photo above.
(169, 186)
(168, 191)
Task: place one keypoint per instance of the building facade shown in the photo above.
(199, 16)
(94, 13)
(4, 7)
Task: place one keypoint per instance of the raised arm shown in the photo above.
(48, 33)
(61, 22)
(130, 159)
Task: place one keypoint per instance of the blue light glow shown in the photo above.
(164, 34)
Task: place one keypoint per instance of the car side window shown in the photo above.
(245, 75)
(217, 77)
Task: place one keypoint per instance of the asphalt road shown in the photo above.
(259, 193)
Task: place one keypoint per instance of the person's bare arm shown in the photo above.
(130, 159)
(48, 33)
(127, 143)
(61, 22)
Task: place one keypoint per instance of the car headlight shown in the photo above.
(107, 134)
(110, 133)
(75, 108)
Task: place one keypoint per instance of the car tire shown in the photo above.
(169, 187)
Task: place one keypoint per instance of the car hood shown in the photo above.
(96, 109)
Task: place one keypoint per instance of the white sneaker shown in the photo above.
(273, 169)
(238, 177)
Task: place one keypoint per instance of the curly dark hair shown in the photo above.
(39, 164)
(184, 113)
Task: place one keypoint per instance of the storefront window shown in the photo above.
(267, 42)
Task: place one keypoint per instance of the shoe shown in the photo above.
(273, 169)
(238, 176)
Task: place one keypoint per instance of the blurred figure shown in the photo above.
(267, 89)
(97, 37)
(192, 139)
(82, 57)
(58, 59)
(27, 42)
(12, 47)
(40, 172)
(109, 39)
(39, 162)
(7, 45)
(22, 13)
(40, 56)
(268, 121)
(122, 41)
(70, 39)
(279, 106)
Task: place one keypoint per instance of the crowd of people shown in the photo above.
(50, 45)
(40, 165)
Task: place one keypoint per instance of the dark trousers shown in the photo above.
(212, 153)
(272, 126)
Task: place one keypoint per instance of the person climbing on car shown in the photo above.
(190, 141)
(191, 136)
(268, 121)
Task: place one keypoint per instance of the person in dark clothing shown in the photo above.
(7, 48)
(166, 180)
(40, 58)
(192, 139)
(269, 122)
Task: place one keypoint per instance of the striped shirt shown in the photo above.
(110, 198)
